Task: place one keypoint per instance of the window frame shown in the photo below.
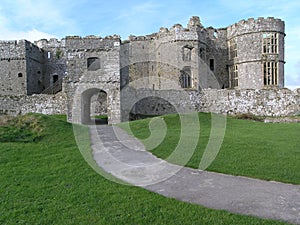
(234, 76)
(270, 73)
(185, 78)
(270, 43)
(232, 49)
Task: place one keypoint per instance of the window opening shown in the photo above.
(185, 78)
(270, 43)
(55, 78)
(212, 64)
(270, 71)
(187, 53)
(234, 76)
(93, 63)
(232, 49)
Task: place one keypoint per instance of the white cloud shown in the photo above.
(32, 18)
(31, 35)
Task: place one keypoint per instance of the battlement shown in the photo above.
(51, 43)
(251, 25)
(92, 42)
(175, 33)
(12, 49)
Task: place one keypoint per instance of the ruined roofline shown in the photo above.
(193, 23)
(113, 37)
(16, 42)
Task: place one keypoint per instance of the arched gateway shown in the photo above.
(92, 69)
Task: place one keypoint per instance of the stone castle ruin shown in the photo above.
(238, 69)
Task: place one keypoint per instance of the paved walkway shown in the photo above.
(125, 158)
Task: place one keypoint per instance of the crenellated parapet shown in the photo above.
(92, 42)
(251, 25)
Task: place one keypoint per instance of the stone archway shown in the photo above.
(93, 103)
(82, 107)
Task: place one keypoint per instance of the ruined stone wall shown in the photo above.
(248, 35)
(55, 63)
(217, 57)
(35, 69)
(13, 74)
(271, 102)
(169, 52)
(22, 104)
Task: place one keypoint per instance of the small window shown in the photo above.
(20, 75)
(234, 76)
(55, 78)
(187, 53)
(202, 53)
(185, 78)
(49, 55)
(212, 64)
(93, 64)
(38, 72)
(216, 34)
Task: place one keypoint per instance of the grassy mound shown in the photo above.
(25, 128)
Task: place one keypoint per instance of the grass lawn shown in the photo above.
(45, 180)
(250, 148)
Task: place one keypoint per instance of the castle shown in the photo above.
(248, 55)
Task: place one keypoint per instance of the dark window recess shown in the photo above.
(20, 75)
(93, 64)
(212, 64)
(38, 72)
(55, 78)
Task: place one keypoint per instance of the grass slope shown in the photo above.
(46, 181)
(250, 148)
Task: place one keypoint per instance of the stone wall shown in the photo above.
(13, 75)
(35, 69)
(276, 102)
(45, 104)
(280, 102)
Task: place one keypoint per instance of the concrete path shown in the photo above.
(125, 158)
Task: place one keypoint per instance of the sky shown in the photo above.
(37, 19)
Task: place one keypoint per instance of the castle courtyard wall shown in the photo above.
(267, 102)
(41, 103)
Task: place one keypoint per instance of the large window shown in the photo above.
(270, 43)
(270, 71)
(232, 48)
(234, 76)
(185, 78)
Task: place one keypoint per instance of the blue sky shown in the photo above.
(36, 19)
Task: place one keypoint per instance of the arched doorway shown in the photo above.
(94, 106)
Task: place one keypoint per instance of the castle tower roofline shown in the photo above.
(261, 24)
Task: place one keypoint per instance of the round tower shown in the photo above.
(256, 53)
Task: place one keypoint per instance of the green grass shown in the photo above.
(47, 181)
(250, 148)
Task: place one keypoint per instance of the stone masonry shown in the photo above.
(237, 69)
